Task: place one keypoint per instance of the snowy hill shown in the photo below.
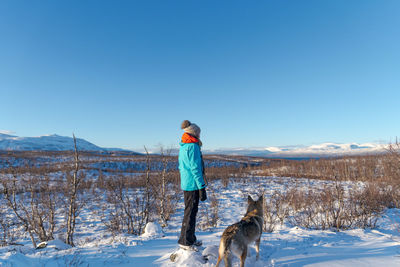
(60, 143)
(46, 142)
(321, 150)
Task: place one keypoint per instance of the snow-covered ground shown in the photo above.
(288, 245)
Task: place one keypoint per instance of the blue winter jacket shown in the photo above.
(190, 167)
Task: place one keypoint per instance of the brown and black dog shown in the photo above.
(238, 236)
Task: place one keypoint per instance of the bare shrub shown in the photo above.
(334, 203)
(209, 211)
(391, 168)
(74, 206)
(164, 215)
(281, 207)
(225, 173)
(147, 188)
(34, 203)
(225, 181)
(332, 207)
(352, 168)
(367, 204)
(306, 210)
(7, 233)
(163, 189)
(270, 216)
(126, 212)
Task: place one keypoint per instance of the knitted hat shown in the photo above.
(190, 128)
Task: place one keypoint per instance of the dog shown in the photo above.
(238, 236)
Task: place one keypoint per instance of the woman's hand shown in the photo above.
(203, 194)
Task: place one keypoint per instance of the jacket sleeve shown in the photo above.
(196, 166)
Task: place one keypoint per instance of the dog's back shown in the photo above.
(236, 237)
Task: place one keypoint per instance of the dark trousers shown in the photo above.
(188, 237)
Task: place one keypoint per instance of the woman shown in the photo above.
(191, 168)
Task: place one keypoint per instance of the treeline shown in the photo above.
(384, 166)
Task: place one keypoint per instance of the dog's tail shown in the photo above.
(224, 245)
(221, 251)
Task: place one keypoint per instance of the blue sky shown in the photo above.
(249, 73)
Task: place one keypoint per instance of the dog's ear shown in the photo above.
(250, 199)
(260, 199)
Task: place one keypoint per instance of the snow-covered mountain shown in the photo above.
(321, 150)
(52, 142)
(56, 142)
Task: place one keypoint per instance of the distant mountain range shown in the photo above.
(62, 143)
(313, 151)
(52, 142)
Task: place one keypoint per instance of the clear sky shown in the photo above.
(249, 73)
